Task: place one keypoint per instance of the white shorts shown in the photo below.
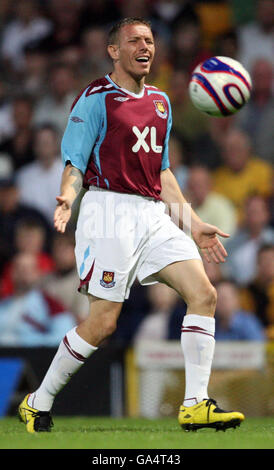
(121, 237)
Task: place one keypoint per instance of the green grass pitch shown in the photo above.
(132, 433)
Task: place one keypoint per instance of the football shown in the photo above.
(220, 86)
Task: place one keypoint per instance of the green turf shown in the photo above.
(129, 433)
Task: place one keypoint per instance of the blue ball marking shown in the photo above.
(210, 90)
(215, 65)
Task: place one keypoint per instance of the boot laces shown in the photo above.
(211, 402)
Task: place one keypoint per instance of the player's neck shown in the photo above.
(128, 82)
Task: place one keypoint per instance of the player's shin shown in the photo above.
(70, 356)
(198, 343)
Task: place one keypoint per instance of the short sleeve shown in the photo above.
(83, 128)
(165, 156)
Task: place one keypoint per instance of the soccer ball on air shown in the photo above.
(220, 86)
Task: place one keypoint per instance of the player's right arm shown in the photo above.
(204, 234)
(72, 180)
(83, 128)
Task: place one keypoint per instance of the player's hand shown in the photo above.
(211, 247)
(62, 214)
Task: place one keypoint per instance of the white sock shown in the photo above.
(70, 356)
(197, 340)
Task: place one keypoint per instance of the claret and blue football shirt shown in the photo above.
(117, 139)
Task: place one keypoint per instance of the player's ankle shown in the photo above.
(191, 401)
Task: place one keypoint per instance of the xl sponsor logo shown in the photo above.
(141, 142)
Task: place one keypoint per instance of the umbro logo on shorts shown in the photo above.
(107, 279)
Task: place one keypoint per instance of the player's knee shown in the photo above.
(212, 297)
(204, 302)
(209, 299)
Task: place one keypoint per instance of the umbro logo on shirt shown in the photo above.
(76, 119)
(121, 98)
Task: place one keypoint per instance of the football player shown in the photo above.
(116, 146)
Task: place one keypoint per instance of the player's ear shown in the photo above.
(113, 51)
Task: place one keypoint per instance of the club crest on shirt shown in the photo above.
(107, 279)
(160, 108)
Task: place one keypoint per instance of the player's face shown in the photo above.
(135, 51)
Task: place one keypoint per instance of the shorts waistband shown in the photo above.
(96, 188)
(148, 198)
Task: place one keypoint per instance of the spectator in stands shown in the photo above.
(232, 322)
(176, 160)
(134, 8)
(19, 144)
(166, 14)
(188, 123)
(34, 74)
(226, 44)
(270, 202)
(5, 14)
(26, 26)
(39, 182)
(215, 19)
(242, 173)
(155, 325)
(72, 56)
(242, 248)
(62, 281)
(258, 295)
(6, 167)
(66, 25)
(13, 212)
(30, 317)
(54, 107)
(187, 46)
(30, 237)
(256, 38)
(208, 147)
(98, 13)
(256, 117)
(95, 62)
(212, 207)
(6, 122)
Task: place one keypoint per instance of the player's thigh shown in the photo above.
(190, 280)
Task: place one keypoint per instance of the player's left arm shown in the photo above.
(205, 235)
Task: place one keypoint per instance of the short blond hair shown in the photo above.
(113, 35)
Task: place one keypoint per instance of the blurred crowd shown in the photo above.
(49, 51)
